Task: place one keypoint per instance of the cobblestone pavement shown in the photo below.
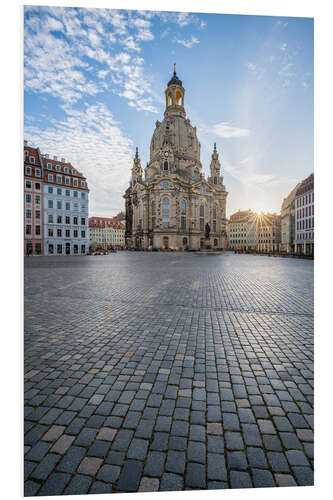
(167, 371)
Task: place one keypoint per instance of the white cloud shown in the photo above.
(188, 43)
(251, 66)
(223, 129)
(283, 47)
(105, 160)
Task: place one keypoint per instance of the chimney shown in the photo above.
(25, 143)
(63, 160)
(55, 158)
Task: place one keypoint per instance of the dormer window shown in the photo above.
(58, 168)
(73, 171)
(49, 166)
(32, 159)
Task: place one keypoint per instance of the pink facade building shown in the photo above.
(33, 201)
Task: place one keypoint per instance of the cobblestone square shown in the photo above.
(167, 371)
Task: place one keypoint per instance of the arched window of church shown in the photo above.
(178, 98)
(165, 206)
(166, 165)
(183, 207)
(169, 99)
(215, 180)
(202, 209)
(153, 208)
(214, 212)
(196, 171)
(140, 211)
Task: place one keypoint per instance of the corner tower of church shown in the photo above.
(174, 206)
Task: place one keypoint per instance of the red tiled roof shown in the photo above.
(105, 222)
(31, 152)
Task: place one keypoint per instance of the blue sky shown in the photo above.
(95, 81)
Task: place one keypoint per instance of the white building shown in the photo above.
(66, 203)
(106, 233)
(304, 217)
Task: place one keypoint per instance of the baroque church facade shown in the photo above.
(171, 205)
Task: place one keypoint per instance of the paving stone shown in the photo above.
(38, 451)
(155, 464)
(79, 485)
(55, 484)
(240, 479)
(108, 473)
(304, 476)
(285, 480)
(278, 462)
(237, 460)
(195, 476)
(196, 452)
(63, 443)
(90, 465)
(272, 443)
(138, 449)
(130, 476)
(234, 440)
(85, 437)
(148, 484)
(216, 467)
(171, 482)
(262, 478)
(31, 488)
(54, 433)
(100, 487)
(106, 434)
(290, 441)
(197, 433)
(175, 462)
(122, 440)
(71, 459)
(305, 434)
(99, 449)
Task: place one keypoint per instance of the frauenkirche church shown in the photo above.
(173, 206)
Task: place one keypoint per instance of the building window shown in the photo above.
(50, 189)
(214, 226)
(183, 207)
(153, 222)
(68, 219)
(67, 181)
(214, 212)
(59, 179)
(59, 219)
(38, 248)
(183, 222)
(202, 189)
(58, 168)
(76, 249)
(68, 206)
(37, 214)
(50, 231)
(76, 207)
(65, 170)
(184, 241)
(28, 198)
(50, 177)
(82, 183)
(75, 194)
(153, 208)
(59, 249)
(28, 214)
(165, 221)
(83, 248)
(59, 191)
(215, 242)
(51, 249)
(83, 221)
(59, 205)
(37, 230)
(37, 186)
(75, 233)
(165, 185)
(75, 182)
(83, 234)
(215, 180)
(28, 170)
(50, 219)
(166, 166)
(59, 233)
(32, 159)
(37, 199)
(83, 196)
(49, 166)
(83, 208)
(68, 233)
(68, 248)
(75, 220)
(50, 203)
(28, 184)
(68, 193)
(165, 206)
